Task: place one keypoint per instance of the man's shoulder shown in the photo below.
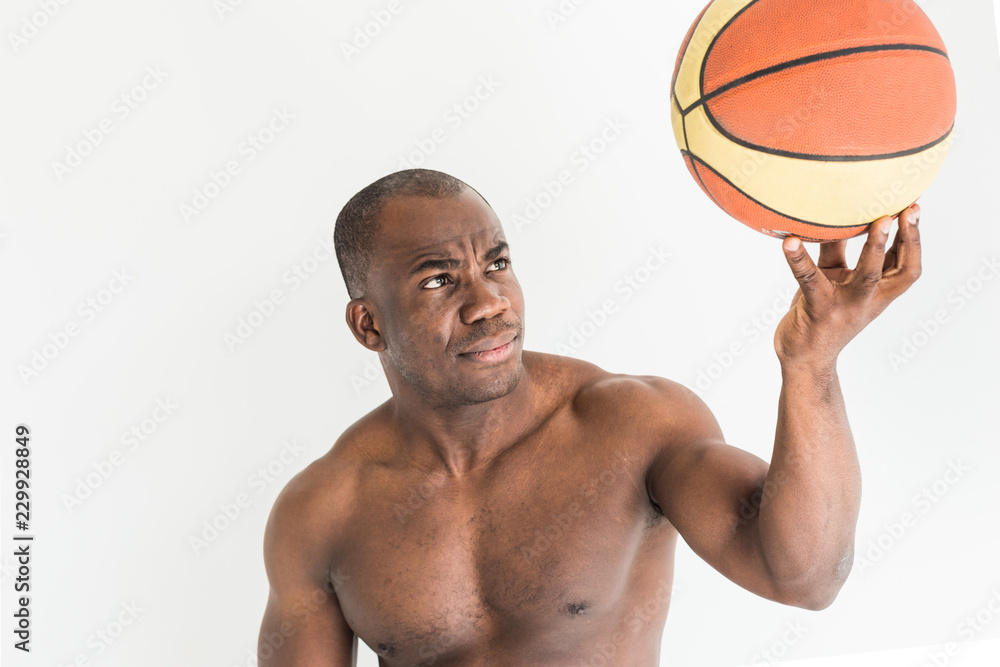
(605, 395)
(649, 411)
(648, 416)
(323, 493)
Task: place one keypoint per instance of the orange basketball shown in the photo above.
(813, 118)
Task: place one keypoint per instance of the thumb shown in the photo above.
(811, 280)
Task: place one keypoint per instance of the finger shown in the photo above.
(811, 280)
(868, 272)
(833, 255)
(890, 256)
(908, 257)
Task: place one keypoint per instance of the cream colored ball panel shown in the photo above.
(687, 87)
(827, 193)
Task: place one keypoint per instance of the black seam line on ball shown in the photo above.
(684, 127)
(824, 158)
(697, 161)
(816, 57)
(694, 167)
(683, 53)
(708, 52)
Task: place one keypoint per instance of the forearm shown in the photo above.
(812, 493)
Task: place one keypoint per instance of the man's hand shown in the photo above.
(834, 303)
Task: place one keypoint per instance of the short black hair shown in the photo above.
(357, 224)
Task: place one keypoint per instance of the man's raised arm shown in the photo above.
(303, 625)
(786, 531)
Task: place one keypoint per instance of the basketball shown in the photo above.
(813, 119)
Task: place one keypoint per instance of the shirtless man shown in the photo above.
(509, 507)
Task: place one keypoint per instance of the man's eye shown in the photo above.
(430, 283)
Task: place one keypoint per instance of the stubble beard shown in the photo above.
(458, 392)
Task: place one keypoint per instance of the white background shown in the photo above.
(301, 376)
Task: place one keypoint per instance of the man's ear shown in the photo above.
(363, 322)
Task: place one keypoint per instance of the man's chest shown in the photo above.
(539, 549)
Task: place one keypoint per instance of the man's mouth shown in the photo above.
(492, 354)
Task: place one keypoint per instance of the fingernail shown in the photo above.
(792, 244)
(886, 226)
(914, 218)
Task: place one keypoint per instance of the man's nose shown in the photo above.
(483, 301)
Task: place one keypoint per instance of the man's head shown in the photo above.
(427, 267)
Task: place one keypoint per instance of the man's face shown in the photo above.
(442, 282)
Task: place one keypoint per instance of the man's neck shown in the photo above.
(461, 438)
